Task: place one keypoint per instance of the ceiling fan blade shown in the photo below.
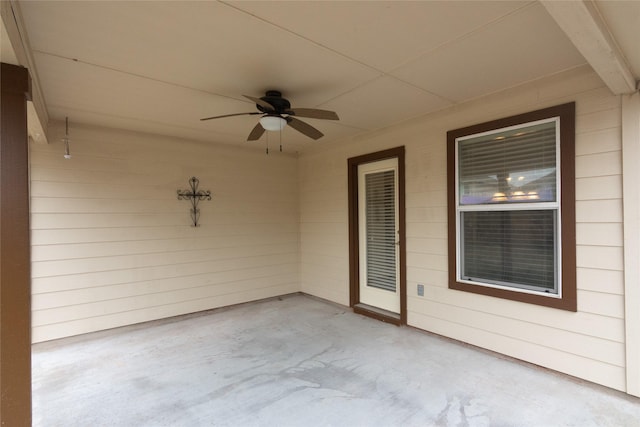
(260, 102)
(314, 113)
(256, 133)
(230, 115)
(304, 128)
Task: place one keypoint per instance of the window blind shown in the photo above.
(514, 166)
(381, 230)
(510, 247)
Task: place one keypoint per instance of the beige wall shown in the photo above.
(112, 245)
(589, 344)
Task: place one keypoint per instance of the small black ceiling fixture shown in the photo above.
(276, 112)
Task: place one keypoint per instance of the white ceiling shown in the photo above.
(160, 66)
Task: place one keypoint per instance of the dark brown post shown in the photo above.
(15, 268)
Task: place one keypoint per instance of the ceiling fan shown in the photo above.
(276, 113)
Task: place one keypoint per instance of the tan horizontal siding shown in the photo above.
(146, 313)
(582, 367)
(599, 141)
(137, 247)
(110, 263)
(80, 310)
(606, 281)
(128, 234)
(555, 337)
(599, 211)
(69, 298)
(599, 187)
(215, 271)
(589, 324)
(112, 245)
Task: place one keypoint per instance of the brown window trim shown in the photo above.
(566, 113)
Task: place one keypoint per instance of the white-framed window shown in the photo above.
(507, 208)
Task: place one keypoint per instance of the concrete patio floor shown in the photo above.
(298, 361)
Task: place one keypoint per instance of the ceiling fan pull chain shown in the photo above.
(280, 140)
(267, 144)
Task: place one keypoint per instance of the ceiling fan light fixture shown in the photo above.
(273, 123)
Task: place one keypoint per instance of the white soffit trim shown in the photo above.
(582, 23)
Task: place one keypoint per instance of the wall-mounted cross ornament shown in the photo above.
(194, 196)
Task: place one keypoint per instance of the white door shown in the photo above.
(378, 234)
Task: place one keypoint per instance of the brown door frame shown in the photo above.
(354, 239)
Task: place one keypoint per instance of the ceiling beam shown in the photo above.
(582, 23)
(13, 24)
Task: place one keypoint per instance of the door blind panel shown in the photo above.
(381, 230)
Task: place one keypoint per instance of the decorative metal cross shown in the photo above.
(194, 195)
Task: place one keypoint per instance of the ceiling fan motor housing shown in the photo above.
(274, 97)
